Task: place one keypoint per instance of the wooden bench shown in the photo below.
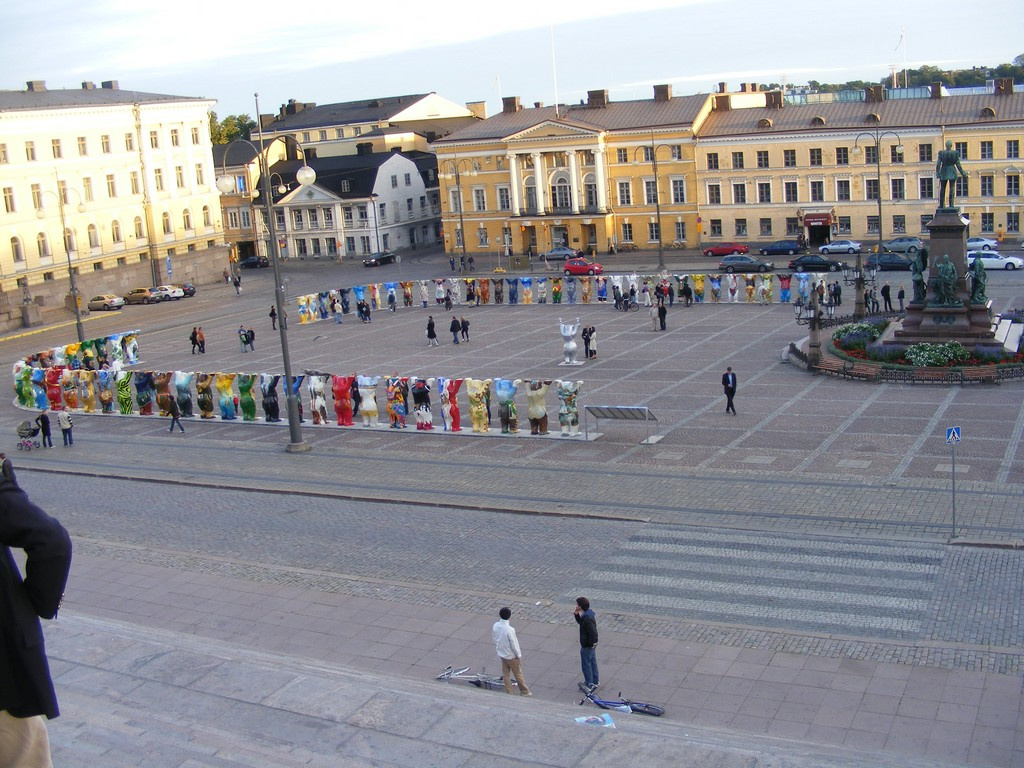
(980, 373)
(937, 375)
(864, 371)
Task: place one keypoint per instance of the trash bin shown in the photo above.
(520, 263)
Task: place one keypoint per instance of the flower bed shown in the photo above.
(854, 341)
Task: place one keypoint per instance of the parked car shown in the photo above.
(106, 301)
(904, 245)
(981, 244)
(561, 253)
(815, 262)
(142, 296)
(168, 292)
(188, 289)
(994, 260)
(779, 247)
(887, 261)
(840, 246)
(254, 262)
(581, 266)
(744, 263)
(725, 249)
(376, 259)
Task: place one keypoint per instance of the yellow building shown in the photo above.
(587, 176)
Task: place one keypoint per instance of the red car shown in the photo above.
(725, 249)
(581, 266)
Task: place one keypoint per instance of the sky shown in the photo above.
(538, 50)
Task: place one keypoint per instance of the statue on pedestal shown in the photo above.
(105, 387)
(505, 389)
(183, 388)
(568, 409)
(271, 404)
(569, 335)
(367, 386)
(226, 400)
(341, 386)
(421, 402)
(979, 280)
(124, 391)
(948, 168)
(536, 408)
(944, 285)
(448, 389)
(479, 391)
(246, 401)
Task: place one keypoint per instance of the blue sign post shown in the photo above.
(952, 438)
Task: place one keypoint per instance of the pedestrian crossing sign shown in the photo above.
(952, 435)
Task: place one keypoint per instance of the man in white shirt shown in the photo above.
(507, 645)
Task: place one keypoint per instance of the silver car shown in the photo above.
(840, 246)
(904, 245)
(105, 301)
(994, 260)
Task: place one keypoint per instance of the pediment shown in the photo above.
(311, 195)
(552, 129)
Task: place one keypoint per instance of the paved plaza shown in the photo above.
(783, 580)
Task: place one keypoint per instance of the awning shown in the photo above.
(818, 220)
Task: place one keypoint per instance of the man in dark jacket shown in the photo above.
(26, 690)
(588, 643)
(455, 327)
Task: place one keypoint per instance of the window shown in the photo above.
(815, 156)
(480, 200)
(817, 191)
(678, 191)
(322, 136)
(301, 247)
(845, 225)
(792, 226)
(764, 191)
(408, 179)
(105, 144)
(762, 158)
(988, 222)
(298, 220)
(139, 231)
(94, 236)
(346, 185)
(986, 150)
(739, 193)
(625, 195)
(627, 233)
(712, 161)
(115, 231)
(168, 227)
(590, 190)
(843, 190)
(111, 186)
(766, 227)
(653, 232)
(872, 224)
(69, 240)
(924, 153)
(960, 189)
(179, 176)
(895, 154)
(790, 191)
(408, 207)
(9, 200)
(195, 136)
(200, 175)
(3, 154)
(677, 152)
(648, 154)
(926, 188)
(789, 158)
(650, 192)
(232, 219)
(19, 254)
(737, 159)
(394, 181)
(30, 151)
(714, 194)
(1013, 185)
(243, 214)
(871, 154)
(186, 219)
(925, 221)
(961, 147)
(57, 153)
(134, 178)
(842, 155)
(716, 227)
(37, 197)
(897, 189)
(175, 138)
(871, 191)
(987, 186)
(1013, 148)
(681, 231)
(899, 225)
(339, 133)
(741, 227)
(42, 246)
(129, 142)
(621, 155)
(357, 130)
(154, 139)
(158, 179)
(1013, 221)
(83, 146)
(423, 202)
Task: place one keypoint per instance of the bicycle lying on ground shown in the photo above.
(621, 705)
(480, 679)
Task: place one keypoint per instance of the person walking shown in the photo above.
(507, 645)
(202, 340)
(451, 261)
(7, 469)
(43, 420)
(339, 312)
(175, 411)
(593, 342)
(64, 422)
(238, 285)
(837, 293)
(250, 338)
(455, 326)
(431, 332)
(26, 690)
(194, 338)
(729, 386)
(653, 314)
(243, 337)
(662, 314)
(901, 296)
(273, 317)
(587, 621)
(886, 292)
(464, 329)
(585, 333)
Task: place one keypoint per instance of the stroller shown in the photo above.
(26, 431)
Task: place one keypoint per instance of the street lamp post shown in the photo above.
(376, 224)
(811, 315)
(305, 176)
(67, 252)
(657, 196)
(456, 168)
(859, 281)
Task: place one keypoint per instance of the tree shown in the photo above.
(230, 128)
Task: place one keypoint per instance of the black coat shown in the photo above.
(26, 689)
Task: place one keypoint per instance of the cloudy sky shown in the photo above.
(481, 50)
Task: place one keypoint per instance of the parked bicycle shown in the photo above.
(480, 679)
(628, 247)
(621, 704)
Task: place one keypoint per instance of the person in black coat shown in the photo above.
(26, 689)
(729, 387)
(455, 327)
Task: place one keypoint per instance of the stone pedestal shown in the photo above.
(31, 315)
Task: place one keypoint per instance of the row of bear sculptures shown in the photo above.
(355, 397)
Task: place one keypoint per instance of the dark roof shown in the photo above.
(343, 113)
(855, 115)
(615, 116)
(239, 153)
(359, 170)
(81, 97)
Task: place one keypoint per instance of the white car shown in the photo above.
(840, 246)
(994, 260)
(981, 243)
(167, 292)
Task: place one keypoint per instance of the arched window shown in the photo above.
(168, 228)
(764, 122)
(561, 194)
(139, 231)
(94, 236)
(115, 231)
(988, 112)
(16, 250)
(186, 219)
(818, 120)
(207, 219)
(69, 240)
(531, 195)
(42, 246)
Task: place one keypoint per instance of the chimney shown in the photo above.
(723, 87)
(936, 90)
(110, 85)
(538, 104)
(597, 99)
(774, 100)
(663, 93)
(364, 148)
(874, 94)
(88, 86)
(743, 87)
(753, 87)
(36, 86)
(1003, 86)
(477, 108)
(722, 102)
(509, 104)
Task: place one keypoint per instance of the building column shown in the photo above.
(540, 182)
(599, 170)
(574, 180)
(517, 183)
